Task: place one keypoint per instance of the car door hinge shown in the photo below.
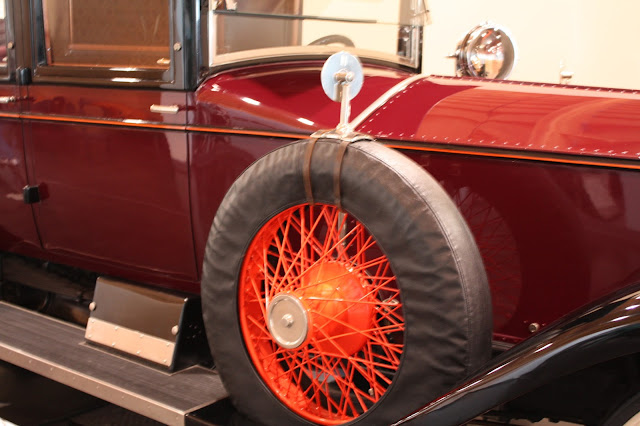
(31, 194)
(23, 75)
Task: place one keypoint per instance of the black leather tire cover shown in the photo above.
(439, 270)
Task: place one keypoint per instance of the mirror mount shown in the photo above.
(342, 78)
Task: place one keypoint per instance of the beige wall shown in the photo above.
(592, 38)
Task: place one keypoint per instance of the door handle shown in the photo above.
(164, 109)
(7, 99)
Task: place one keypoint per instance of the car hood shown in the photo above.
(508, 116)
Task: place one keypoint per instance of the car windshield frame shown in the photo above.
(236, 32)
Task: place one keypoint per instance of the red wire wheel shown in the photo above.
(320, 313)
(358, 314)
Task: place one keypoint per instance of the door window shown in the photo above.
(115, 33)
(124, 41)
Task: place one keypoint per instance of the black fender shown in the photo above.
(605, 330)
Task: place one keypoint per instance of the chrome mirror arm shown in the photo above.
(342, 78)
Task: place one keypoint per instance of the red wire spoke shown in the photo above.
(358, 366)
(286, 247)
(345, 399)
(349, 388)
(391, 365)
(259, 325)
(351, 271)
(357, 301)
(326, 254)
(357, 393)
(341, 249)
(358, 258)
(386, 328)
(327, 260)
(279, 264)
(303, 243)
(391, 358)
(391, 314)
(282, 254)
(258, 294)
(355, 330)
(377, 390)
(306, 242)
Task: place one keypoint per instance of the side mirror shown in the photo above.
(342, 78)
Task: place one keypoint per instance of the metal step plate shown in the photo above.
(56, 350)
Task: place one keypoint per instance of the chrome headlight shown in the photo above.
(486, 51)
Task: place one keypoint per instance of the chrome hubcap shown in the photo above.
(288, 321)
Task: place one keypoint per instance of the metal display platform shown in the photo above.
(57, 350)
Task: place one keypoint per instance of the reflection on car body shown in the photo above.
(174, 178)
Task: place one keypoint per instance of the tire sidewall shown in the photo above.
(443, 294)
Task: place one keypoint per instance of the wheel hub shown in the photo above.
(330, 292)
(323, 309)
(288, 321)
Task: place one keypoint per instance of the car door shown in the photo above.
(17, 228)
(105, 135)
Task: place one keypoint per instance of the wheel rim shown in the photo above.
(320, 313)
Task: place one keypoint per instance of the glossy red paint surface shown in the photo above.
(116, 179)
(112, 194)
(17, 219)
(216, 162)
(268, 99)
(17, 228)
(133, 194)
(524, 117)
(283, 97)
(106, 103)
(553, 237)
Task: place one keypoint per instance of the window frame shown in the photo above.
(10, 34)
(175, 77)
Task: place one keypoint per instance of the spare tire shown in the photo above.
(328, 315)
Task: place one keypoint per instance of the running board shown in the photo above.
(57, 350)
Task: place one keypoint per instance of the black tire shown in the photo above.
(624, 414)
(438, 270)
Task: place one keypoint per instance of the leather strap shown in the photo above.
(306, 171)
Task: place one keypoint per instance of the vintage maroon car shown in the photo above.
(186, 216)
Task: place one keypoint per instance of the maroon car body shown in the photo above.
(547, 177)
(557, 200)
